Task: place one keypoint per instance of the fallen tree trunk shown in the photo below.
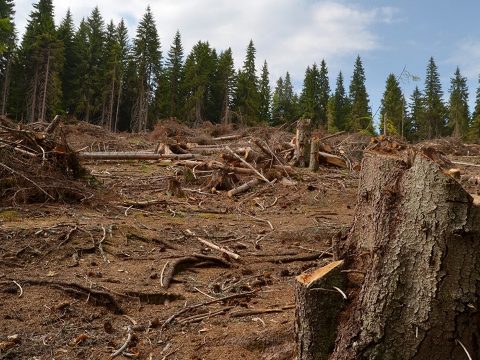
(132, 156)
(416, 237)
(333, 160)
(244, 187)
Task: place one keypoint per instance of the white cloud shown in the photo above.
(289, 34)
(467, 57)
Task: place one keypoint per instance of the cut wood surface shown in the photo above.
(333, 160)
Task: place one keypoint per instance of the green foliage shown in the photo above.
(458, 113)
(393, 114)
(338, 108)
(285, 104)
(474, 133)
(434, 121)
(360, 114)
(172, 99)
(225, 84)
(66, 34)
(265, 95)
(416, 114)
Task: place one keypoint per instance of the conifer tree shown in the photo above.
(66, 34)
(458, 113)
(225, 81)
(392, 113)
(310, 96)
(324, 93)
(338, 107)
(475, 123)
(416, 115)
(278, 113)
(42, 58)
(247, 98)
(147, 56)
(434, 120)
(7, 47)
(200, 69)
(174, 73)
(265, 95)
(360, 114)
(285, 104)
(124, 57)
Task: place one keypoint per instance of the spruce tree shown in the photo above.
(225, 82)
(147, 56)
(475, 124)
(81, 69)
(392, 113)
(338, 107)
(200, 70)
(265, 95)
(174, 73)
(66, 34)
(458, 113)
(42, 59)
(7, 48)
(310, 96)
(417, 115)
(360, 114)
(122, 63)
(247, 97)
(324, 93)
(285, 103)
(278, 113)
(435, 113)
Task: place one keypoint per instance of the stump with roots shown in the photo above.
(416, 244)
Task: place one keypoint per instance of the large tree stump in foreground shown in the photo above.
(416, 237)
(302, 143)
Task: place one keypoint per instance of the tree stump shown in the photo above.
(314, 154)
(302, 143)
(416, 237)
(317, 307)
(174, 188)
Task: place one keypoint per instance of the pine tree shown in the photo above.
(225, 80)
(434, 120)
(147, 56)
(265, 95)
(285, 104)
(42, 58)
(360, 114)
(338, 107)
(66, 34)
(247, 98)
(278, 113)
(174, 73)
(7, 48)
(200, 69)
(475, 125)
(81, 70)
(416, 114)
(458, 113)
(392, 113)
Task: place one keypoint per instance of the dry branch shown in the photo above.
(244, 187)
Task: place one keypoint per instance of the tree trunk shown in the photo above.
(416, 237)
(302, 143)
(43, 111)
(317, 306)
(6, 85)
(118, 105)
(314, 154)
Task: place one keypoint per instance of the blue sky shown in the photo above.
(292, 34)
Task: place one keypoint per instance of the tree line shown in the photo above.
(96, 73)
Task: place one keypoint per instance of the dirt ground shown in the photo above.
(77, 280)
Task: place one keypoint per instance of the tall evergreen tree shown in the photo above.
(324, 93)
(147, 56)
(225, 81)
(265, 95)
(66, 34)
(42, 58)
(174, 72)
(247, 98)
(416, 114)
(200, 71)
(310, 96)
(434, 120)
(285, 104)
(458, 113)
(7, 47)
(360, 114)
(392, 113)
(475, 123)
(338, 107)
(278, 113)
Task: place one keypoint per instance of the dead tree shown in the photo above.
(415, 243)
(302, 143)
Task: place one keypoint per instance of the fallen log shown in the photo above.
(244, 187)
(416, 237)
(132, 156)
(333, 160)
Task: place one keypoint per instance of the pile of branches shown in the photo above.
(37, 165)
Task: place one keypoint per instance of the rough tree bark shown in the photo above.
(302, 143)
(416, 237)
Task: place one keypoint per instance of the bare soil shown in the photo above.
(76, 278)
